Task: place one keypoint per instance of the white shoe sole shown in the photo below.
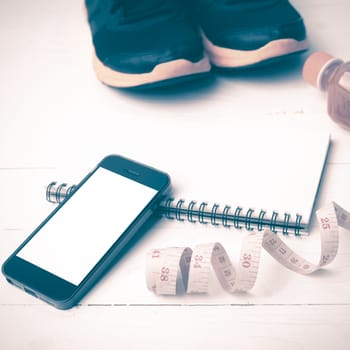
(162, 72)
(230, 58)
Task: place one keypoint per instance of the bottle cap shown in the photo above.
(315, 67)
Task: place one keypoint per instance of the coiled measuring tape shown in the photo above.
(166, 267)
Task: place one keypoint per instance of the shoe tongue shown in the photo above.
(136, 10)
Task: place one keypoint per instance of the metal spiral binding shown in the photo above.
(204, 213)
(57, 193)
(210, 214)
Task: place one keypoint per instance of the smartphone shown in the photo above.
(74, 246)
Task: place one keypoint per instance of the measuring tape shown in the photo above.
(167, 267)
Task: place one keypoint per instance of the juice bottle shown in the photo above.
(332, 75)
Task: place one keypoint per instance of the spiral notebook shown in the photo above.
(252, 178)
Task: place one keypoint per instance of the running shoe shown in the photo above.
(244, 33)
(141, 43)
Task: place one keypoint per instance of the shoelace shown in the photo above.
(135, 10)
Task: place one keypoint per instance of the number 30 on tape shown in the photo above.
(168, 267)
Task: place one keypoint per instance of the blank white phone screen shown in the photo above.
(71, 243)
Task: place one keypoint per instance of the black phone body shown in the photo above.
(72, 248)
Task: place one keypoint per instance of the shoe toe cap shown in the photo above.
(252, 38)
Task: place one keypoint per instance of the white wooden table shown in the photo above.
(57, 121)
